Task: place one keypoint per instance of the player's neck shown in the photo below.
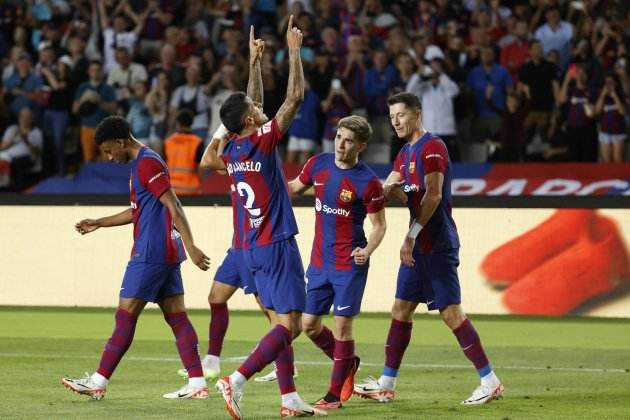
(416, 136)
(134, 149)
(346, 165)
(247, 132)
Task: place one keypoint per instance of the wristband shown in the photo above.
(414, 230)
(220, 133)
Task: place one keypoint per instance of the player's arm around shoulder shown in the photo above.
(90, 225)
(304, 180)
(391, 188)
(295, 87)
(171, 202)
(211, 158)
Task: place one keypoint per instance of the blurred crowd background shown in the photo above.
(499, 80)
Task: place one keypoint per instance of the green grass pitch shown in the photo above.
(552, 368)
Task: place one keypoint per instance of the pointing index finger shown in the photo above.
(290, 25)
(251, 33)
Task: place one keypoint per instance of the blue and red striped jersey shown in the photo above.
(239, 219)
(343, 197)
(156, 240)
(255, 169)
(576, 107)
(414, 162)
(611, 121)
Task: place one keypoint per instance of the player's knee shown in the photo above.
(453, 316)
(311, 329)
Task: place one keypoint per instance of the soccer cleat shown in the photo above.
(272, 376)
(232, 398)
(301, 409)
(523, 254)
(484, 394)
(348, 384)
(372, 390)
(188, 392)
(211, 368)
(595, 265)
(85, 386)
(328, 405)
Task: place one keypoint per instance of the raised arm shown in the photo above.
(90, 225)
(255, 84)
(211, 156)
(295, 88)
(172, 203)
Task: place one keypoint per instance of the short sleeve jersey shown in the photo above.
(255, 169)
(343, 197)
(156, 240)
(428, 155)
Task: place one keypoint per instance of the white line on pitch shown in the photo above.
(319, 363)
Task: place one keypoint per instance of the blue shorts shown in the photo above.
(432, 280)
(151, 282)
(234, 272)
(342, 289)
(279, 275)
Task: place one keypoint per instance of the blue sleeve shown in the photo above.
(79, 92)
(373, 85)
(108, 93)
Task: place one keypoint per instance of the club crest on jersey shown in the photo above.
(345, 195)
(412, 167)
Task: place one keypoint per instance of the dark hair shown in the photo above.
(99, 62)
(185, 118)
(113, 127)
(359, 125)
(410, 100)
(233, 112)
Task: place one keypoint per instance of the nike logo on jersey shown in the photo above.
(341, 308)
(154, 177)
(317, 184)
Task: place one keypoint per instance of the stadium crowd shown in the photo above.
(499, 80)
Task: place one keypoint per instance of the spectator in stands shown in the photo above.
(512, 136)
(336, 105)
(139, 117)
(514, 55)
(556, 34)
(21, 147)
(541, 78)
(322, 72)
(57, 99)
(116, 34)
(437, 92)
(125, 75)
(222, 85)
(158, 103)
(303, 131)
(79, 63)
(611, 107)
(487, 123)
(379, 82)
(191, 96)
(351, 70)
(183, 151)
(168, 65)
(22, 88)
(579, 100)
(93, 101)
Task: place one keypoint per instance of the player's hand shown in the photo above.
(86, 226)
(392, 191)
(360, 255)
(294, 36)
(200, 259)
(406, 252)
(256, 47)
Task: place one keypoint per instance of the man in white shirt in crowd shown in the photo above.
(21, 146)
(436, 92)
(125, 74)
(191, 96)
(556, 34)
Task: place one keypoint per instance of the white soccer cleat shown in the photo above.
(210, 365)
(188, 392)
(301, 409)
(483, 394)
(231, 396)
(372, 390)
(85, 386)
(273, 376)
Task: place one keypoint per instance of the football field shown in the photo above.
(568, 368)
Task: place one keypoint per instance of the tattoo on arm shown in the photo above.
(295, 92)
(255, 84)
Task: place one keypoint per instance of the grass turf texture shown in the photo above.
(552, 368)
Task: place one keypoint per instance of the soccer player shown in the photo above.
(429, 254)
(346, 190)
(161, 232)
(270, 250)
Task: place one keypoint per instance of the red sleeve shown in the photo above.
(399, 163)
(268, 136)
(153, 176)
(373, 197)
(434, 157)
(306, 176)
